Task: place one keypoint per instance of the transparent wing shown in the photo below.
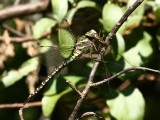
(66, 40)
(49, 55)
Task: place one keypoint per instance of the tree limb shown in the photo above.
(21, 10)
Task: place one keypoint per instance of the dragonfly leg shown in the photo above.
(91, 52)
(94, 46)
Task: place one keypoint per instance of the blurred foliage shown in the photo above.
(137, 43)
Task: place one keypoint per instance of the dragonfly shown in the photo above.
(82, 44)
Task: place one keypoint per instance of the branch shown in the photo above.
(95, 66)
(76, 90)
(13, 30)
(26, 38)
(19, 105)
(25, 9)
(121, 72)
(122, 20)
(92, 114)
(19, 39)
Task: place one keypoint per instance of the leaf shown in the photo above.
(70, 14)
(135, 18)
(49, 102)
(121, 45)
(75, 80)
(12, 77)
(42, 26)
(129, 104)
(110, 15)
(59, 84)
(59, 9)
(140, 52)
(158, 38)
(88, 3)
(66, 42)
(52, 95)
(15, 75)
(157, 15)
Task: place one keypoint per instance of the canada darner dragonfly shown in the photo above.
(82, 44)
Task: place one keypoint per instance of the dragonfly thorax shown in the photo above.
(93, 34)
(83, 43)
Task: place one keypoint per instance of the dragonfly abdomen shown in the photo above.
(51, 76)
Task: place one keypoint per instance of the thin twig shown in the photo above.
(24, 9)
(13, 30)
(95, 66)
(92, 114)
(76, 90)
(19, 105)
(122, 20)
(21, 113)
(26, 38)
(19, 39)
(121, 72)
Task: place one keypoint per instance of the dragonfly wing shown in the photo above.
(66, 40)
(50, 55)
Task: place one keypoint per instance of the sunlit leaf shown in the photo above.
(158, 38)
(59, 9)
(121, 45)
(88, 3)
(15, 75)
(42, 26)
(128, 104)
(75, 80)
(49, 102)
(137, 54)
(110, 15)
(135, 18)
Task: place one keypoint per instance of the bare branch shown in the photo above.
(92, 114)
(19, 105)
(76, 90)
(19, 39)
(25, 9)
(26, 38)
(95, 66)
(13, 30)
(21, 113)
(121, 72)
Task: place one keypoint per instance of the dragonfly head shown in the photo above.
(92, 34)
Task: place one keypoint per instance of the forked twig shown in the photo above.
(76, 90)
(121, 72)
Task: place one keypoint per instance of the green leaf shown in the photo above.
(121, 45)
(59, 84)
(12, 77)
(135, 18)
(74, 79)
(140, 52)
(42, 26)
(15, 75)
(157, 14)
(49, 102)
(128, 104)
(70, 14)
(158, 38)
(59, 9)
(66, 42)
(110, 16)
(88, 3)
